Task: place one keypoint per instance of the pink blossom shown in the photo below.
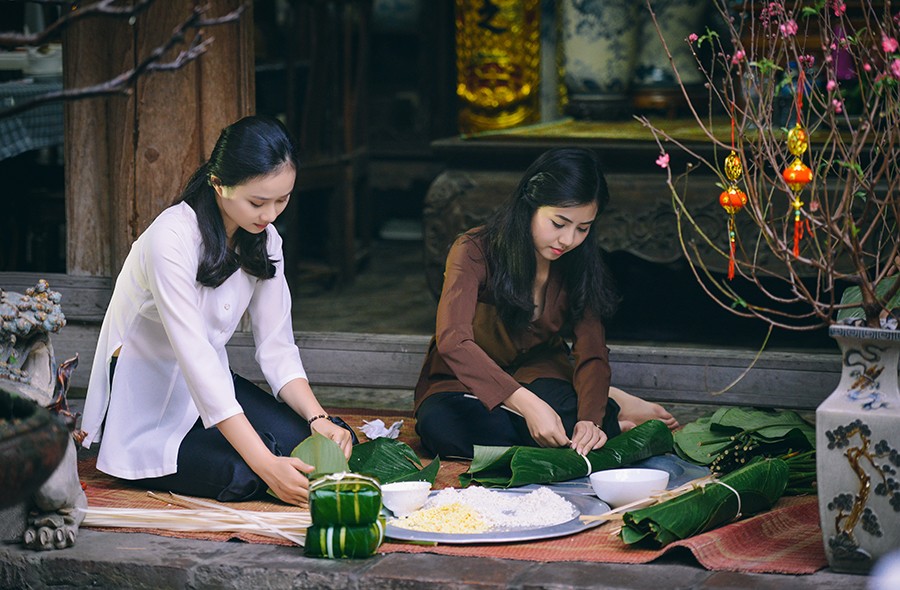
(838, 106)
(814, 205)
(789, 28)
(867, 67)
(693, 37)
(895, 68)
(663, 160)
(839, 8)
(889, 44)
(807, 60)
(831, 85)
(738, 57)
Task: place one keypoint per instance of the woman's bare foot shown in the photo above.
(626, 425)
(633, 410)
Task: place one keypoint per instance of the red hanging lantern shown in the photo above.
(732, 200)
(797, 176)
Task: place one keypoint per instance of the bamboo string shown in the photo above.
(215, 518)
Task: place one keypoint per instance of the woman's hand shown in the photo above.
(587, 436)
(286, 476)
(340, 435)
(544, 424)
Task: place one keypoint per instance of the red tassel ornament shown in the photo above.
(797, 176)
(732, 200)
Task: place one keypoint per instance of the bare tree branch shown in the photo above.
(101, 8)
(124, 82)
(849, 214)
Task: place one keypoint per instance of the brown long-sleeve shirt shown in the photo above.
(472, 351)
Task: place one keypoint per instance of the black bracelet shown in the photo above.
(314, 418)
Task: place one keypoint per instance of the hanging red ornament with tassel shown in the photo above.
(732, 200)
(798, 174)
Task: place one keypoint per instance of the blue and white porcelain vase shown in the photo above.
(656, 87)
(858, 451)
(676, 20)
(600, 43)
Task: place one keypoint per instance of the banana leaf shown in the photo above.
(344, 499)
(854, 295)
(322, 453)
(389, 460)
(732, 437)
(343, 542)
(760, 484)
(505, 467)
(702, 440)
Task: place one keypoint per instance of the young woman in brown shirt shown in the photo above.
(499, 370)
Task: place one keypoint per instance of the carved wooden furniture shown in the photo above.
(481, 173)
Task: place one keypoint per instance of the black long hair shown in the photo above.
(560, 177)
(252, 147)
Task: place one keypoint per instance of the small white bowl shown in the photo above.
(403, 497)
(618, 487)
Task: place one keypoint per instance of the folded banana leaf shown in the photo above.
(389, 460)
(344, 499)
(505, 467)
(760, 484)
(344, 541)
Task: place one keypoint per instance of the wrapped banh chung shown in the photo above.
(346, 516)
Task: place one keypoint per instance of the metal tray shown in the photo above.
(585, 505)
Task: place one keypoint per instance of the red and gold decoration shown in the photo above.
(732, 200)
(798, 174)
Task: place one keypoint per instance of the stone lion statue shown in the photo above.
(49, 517)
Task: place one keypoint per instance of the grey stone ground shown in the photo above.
(136, 560)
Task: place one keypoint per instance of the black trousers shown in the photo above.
(209, 467)
(451, 423)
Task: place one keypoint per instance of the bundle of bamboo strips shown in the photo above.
(650, 500)
(214, 518)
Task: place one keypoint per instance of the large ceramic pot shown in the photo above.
(32, 443)
(600, 42)
(655, 84)
(858, 451)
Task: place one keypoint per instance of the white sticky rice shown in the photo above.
(495, 511)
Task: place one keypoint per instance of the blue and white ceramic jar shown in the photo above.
(858, 451)
(600, 40)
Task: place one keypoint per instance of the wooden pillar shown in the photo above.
(127, 157)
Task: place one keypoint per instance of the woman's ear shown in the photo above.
(216, 184)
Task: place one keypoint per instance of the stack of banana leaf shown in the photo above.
(733, 437)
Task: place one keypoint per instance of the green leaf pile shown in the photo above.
(733, 437)
(389, 460)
